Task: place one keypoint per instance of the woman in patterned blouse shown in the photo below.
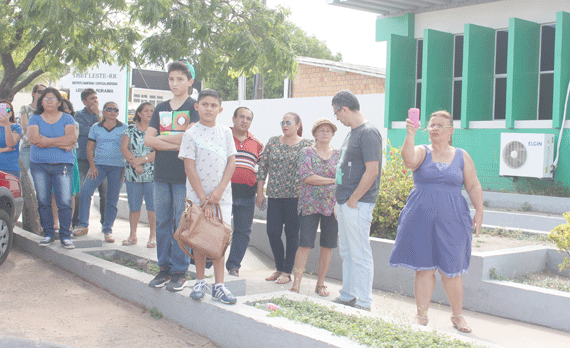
(139, 173)
(280, 160)
(317, 170)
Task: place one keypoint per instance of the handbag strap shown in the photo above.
(217, 208)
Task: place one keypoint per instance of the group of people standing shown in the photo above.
(178, 151)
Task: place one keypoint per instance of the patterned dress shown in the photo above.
(138, 149)
(317, 199)
(281, 162)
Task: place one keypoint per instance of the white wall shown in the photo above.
(493, 15)
(269, 112)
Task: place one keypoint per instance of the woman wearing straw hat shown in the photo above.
(317, 171)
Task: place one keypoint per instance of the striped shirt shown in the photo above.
(244, 179)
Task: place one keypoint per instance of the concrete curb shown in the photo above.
(227, 326)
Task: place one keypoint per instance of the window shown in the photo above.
(419, 55)
(500, 95)
(546, 72)
(457, 77)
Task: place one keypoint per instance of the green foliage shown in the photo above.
(561, 236)
(395, 187)
(48, 35)
(220, 37)
(301, 45)
(369, 331)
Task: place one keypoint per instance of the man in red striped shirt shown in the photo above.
(244, 185)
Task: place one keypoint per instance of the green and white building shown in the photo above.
(501, 68)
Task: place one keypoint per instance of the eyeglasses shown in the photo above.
(437, 126)
(335, 111)
(51, 99)
(112, 109)
(285, 123)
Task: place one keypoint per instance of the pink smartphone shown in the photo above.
(3, 107)
(414, 116)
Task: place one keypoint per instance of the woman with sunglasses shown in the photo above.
(280, 160)
(10, 135)
(53, 133)
(435, 226)
(105, 140)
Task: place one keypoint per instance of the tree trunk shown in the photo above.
(30, 215)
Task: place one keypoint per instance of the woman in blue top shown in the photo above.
(52, 134)
(107, 162)
(10, 135)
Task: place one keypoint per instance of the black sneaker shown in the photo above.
(67, 244)
(46, 241)
(177, 283)
(161, 279)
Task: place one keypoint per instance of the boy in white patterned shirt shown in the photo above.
(208, 151)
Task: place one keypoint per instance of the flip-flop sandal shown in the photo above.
(109, 238)
(274, 276)
(321, 290)
(129, 241)
(151, 244)
(283, 279)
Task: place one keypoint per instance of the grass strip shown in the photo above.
(370, 331)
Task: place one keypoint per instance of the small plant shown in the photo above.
(395, 187)
(525, 207)
(561, 236)
(486, 203)
(155, 314)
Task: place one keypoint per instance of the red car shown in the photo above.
(11, 204)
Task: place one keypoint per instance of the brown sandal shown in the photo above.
(274, 276)
(129, 241)
(109, 238)
(321, 290)
(283, 279)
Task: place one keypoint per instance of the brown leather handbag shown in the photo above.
(209, 237)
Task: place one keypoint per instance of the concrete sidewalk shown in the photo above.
(257, 266)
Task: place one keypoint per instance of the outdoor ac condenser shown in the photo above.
(526, 154)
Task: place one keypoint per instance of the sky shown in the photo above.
(347, 31)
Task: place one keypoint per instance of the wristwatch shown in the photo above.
(146, 159)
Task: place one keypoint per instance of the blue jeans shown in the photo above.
(242, 212)
(169, 202)
(13, 172)
(355, 251)
(283, 211)
(135, 193)
(114, 183)
(57, 176)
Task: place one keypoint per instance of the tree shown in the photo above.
(217, 36)
(302, 45)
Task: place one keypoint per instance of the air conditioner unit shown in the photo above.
(526, 154)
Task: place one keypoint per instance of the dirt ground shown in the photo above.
(40, 301)
(487, 242)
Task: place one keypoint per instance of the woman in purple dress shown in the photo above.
(434, 231)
